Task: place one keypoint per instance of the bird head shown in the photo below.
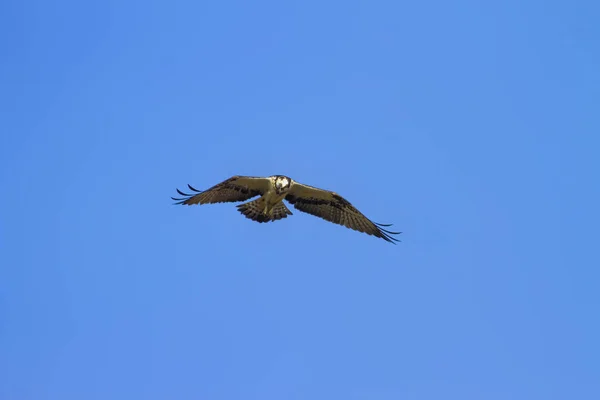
(282, 183)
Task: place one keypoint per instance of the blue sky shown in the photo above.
(472, 127)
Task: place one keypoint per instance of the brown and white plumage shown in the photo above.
(269, 207)
(334, 208)
(236, 188)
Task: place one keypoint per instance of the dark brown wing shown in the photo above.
(236, 188)
(334, 208)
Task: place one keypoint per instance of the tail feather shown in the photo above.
(254, 211)
(280, 211)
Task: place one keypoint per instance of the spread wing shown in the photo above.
(334, 208)
(236, 188)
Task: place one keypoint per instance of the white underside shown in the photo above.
(271, 199)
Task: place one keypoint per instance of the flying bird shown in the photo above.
(270, 207)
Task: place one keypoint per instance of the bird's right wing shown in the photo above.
(236, 188)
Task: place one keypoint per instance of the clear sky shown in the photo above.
(471, 126)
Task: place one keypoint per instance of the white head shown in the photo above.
(282, 183)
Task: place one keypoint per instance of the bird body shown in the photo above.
(279, 187)
(270, 207)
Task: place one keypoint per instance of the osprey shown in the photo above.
(270, 207)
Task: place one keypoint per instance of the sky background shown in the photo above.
(472, 126)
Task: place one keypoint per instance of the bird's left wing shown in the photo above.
(236, 188)
(334, 208)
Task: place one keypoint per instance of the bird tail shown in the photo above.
(280, 211)
(254, 210)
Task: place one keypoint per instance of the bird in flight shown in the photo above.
(270, 207)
